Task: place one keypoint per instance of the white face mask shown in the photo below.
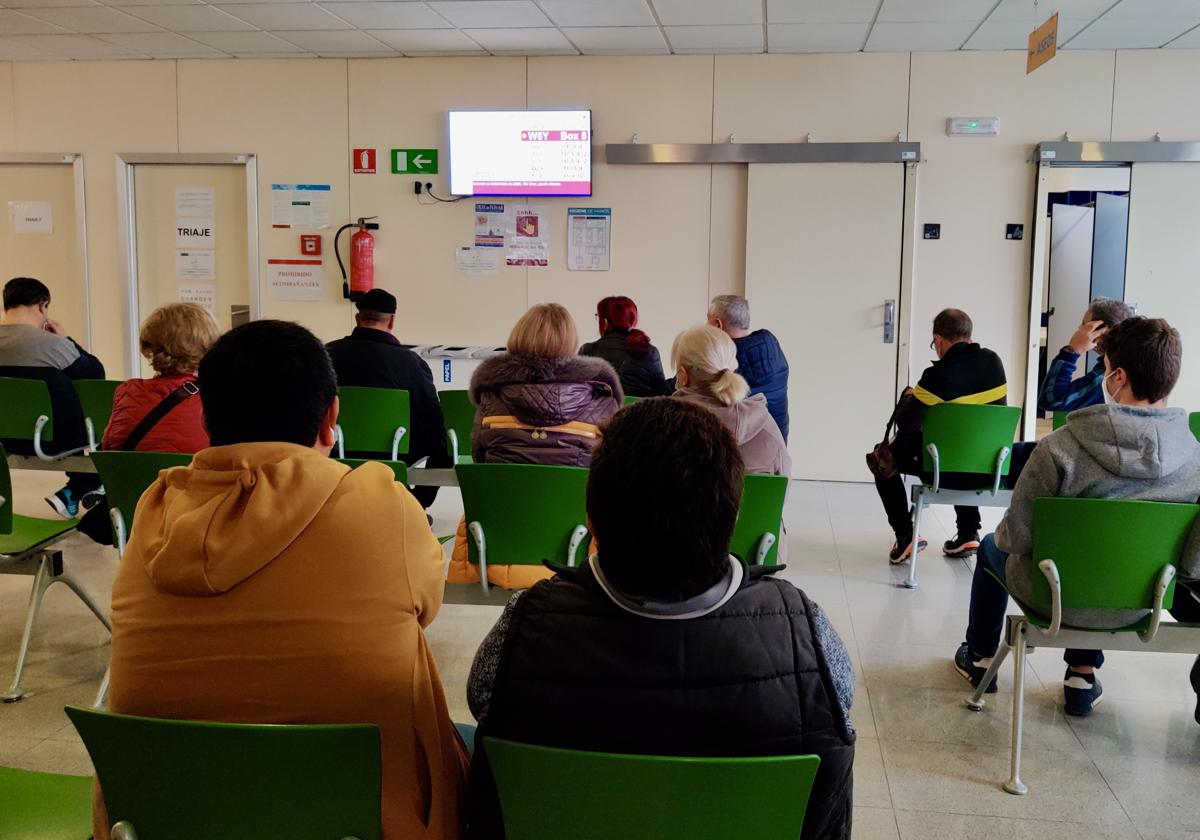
(1109, 399)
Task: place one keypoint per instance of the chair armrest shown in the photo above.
(453, 435)
(763, 547)
(400, 432)
(341, 441)
(577, 537)
(1050, 571)
(37, 443)
(996, 478)
(932, 449)
(1160, 592)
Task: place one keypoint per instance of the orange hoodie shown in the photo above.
(267, 583)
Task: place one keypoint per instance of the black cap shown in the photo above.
(377, 300)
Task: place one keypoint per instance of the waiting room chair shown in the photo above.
(193, 780)
(975, 440)
(1058, 420)
(1095, 554)
(373, 420)
(521, 514)
(44, 806)
(607, 796)
(631, 400)
(27, 548)
(28, 416)
(459, 413)
(398, 468)
(760, 519)
(1194, 423)
(96, 398)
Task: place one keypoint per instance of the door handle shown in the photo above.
(889, 321)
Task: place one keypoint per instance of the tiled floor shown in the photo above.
(926, 767)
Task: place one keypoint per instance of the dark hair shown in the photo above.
(953, 325)
(1150, 352)
(25, 291)
(1108, 311)
(373, 316)
(266, 381)
(622, 313)
(682, 457)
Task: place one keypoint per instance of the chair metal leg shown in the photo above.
(918, 506)
(1014, 784)
(476, 532)
(976, 702)
(41, 582)
(101, 700)
(84, 596)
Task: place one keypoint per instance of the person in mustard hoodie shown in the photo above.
(267, 583)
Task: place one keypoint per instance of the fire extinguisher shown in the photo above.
(362, 258)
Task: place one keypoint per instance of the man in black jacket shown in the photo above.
(372, 357)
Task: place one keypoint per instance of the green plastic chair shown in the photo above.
(521, 514)
(96, 397)
(192, 780)
(125, 476)
(606, 796)
(1194, 423)
(1058, 420)
(459, 413)
(963, 439)
(44, 806)
(1094, 554)
(27, 548)
(399, 468)
(631, 400)
(757, 533)
(28, 415)
(373, 420)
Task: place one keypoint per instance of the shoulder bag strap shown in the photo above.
(187, 389)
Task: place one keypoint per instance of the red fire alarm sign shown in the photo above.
(310, 244)
(364, 161)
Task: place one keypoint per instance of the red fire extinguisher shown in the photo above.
(362, 258)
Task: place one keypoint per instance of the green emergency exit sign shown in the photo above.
(414, 161)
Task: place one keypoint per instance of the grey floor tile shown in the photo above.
(1135, 727)
(56, 757)
(870, 780)
(926, 825)
(874, 824)
(1158, 793)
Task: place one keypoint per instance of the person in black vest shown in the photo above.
(664, 643)
(627, 349)
(372, 357)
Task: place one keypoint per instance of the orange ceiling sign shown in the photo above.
(1043, 44)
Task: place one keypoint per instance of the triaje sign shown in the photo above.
(1043, 44)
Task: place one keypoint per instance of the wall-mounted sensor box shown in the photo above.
(973, 126)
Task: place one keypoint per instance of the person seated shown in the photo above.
(34, 346)
(664, 643)
(760, 357)
(537, 403)
(964, 373)
(372, 357)
(704, 359)
(268, 583)
(627, 349)
(1132, 447)
(1060, 392)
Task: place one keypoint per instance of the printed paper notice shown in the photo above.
(528, 237)
(490, 223)
(295, 279)
(201, 294)
(195, 265)
(300, 205)
(476, 260)
(589, 238)
(195, 202)
(195, 233)
(31, 216)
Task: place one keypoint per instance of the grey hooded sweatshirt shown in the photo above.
(1104, 452)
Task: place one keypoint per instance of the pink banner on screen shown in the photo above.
(533, 188)
(573, 136)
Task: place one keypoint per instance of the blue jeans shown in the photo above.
(989, 603)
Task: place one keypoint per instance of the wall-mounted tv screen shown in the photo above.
(521, 152)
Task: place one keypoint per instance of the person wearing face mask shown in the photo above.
(1132, 446)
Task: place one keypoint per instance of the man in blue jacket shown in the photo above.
(1059, 391)
(760, 358)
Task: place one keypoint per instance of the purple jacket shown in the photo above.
(541, 411)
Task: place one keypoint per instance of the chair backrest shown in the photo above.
(459, 413)
(1194, 423)
(190, 780)
(126, 475)
(528, 512)
(369, 418)
(6, 491)
(602, 796)
(96, 397)
(1058, 420)
(761, 513)
(399, 468)
(24, 401)
(969, 437)
(1109, 552)
(631, 400)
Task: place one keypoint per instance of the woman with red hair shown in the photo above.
(627, 348)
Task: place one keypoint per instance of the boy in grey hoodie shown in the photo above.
(1132, 447)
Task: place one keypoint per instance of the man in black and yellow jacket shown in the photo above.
(964, 373)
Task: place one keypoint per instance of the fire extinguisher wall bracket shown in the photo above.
(361, 277)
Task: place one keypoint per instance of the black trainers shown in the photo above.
(1081, 693)
(963, 545)
(973, 669)
(1196, 685)
(902, 549)
(64, 503)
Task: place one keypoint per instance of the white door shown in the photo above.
(823, 254)
(1070, 272)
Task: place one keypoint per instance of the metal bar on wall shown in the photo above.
(710, 153)
(1149, 151)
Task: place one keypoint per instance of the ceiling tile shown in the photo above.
(1024, 10)
(244, 42)
(161, 45)
(373, 15)
(15, 51)
(1187, 41)
(1105, 34)
(497, 14)
(327, 42)
(512, 40)
(189, 18)
(141, 3)
(427, 41)
(918, 37)
(18, 23)
(821, 11)
(261, 56)
(616, 40)
(816, 37)
(75, 46)
(708, 12)
(48, 4)
(1014, 34)
(93, 19)
(703, 39)
(286, 16)
(902, 11)
(598, 12)
(1147, 10)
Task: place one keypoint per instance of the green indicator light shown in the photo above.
(974, 125)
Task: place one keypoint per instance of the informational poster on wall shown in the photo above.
(201, 294)
(528, 237)
(490, 223)
(31, 216)
(589, 238)
(295, 278)
(195, 265)
(300, 205)
(195, 202)
(195, 233)
(476, 260)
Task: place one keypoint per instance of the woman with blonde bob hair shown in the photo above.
(537, 403)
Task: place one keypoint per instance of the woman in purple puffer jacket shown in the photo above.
(539, 403)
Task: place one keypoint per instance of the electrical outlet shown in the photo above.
(417, 188)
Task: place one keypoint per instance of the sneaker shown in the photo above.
(90, 500)
(1081, 693)
(961, 546)
(64, 503)
(1196, 685)
(973, 669)
(902, 549)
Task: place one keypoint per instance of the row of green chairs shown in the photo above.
(1060, 419)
